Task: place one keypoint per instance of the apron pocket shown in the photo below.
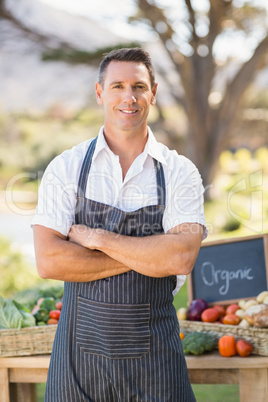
(116, 331)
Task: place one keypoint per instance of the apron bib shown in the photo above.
(118, 338)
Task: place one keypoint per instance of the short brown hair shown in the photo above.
(134, 54)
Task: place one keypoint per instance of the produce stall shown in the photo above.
(228, 296)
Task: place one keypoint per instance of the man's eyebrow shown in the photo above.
(141, 82)
(122, 82)
(115, 82)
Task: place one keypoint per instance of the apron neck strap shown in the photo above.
(82, 183)
(160, 183)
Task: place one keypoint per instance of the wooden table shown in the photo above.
(18, 375)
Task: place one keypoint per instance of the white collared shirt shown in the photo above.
(58, 188)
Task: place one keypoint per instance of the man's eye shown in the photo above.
(117, 86)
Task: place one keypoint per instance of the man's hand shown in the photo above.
(82, 235)
(88, 237)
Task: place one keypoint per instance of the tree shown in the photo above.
(209, 124)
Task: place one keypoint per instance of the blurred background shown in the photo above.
(211, 60)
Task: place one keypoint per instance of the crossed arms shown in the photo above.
(90, 254)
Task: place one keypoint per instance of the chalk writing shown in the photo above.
(222, 277)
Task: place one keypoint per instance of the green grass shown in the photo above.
(216, 393)
(41, 392)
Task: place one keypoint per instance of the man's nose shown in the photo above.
(129, 96)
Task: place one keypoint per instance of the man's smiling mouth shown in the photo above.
(129, 111)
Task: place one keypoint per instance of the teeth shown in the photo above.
(129, 111)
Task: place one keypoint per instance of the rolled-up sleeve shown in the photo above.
(185, 196)
(56, 199)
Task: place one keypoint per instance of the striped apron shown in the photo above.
(118, 338)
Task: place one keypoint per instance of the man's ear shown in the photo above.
(154, 90)
(98, 90)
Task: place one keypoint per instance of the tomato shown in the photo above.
(181, 336)
(226, 346)
(210, 315)
(54, 314)
(231, 319)
(243, 348)
(59, 305)
(52, 321)
(221, 309)
(232, 308)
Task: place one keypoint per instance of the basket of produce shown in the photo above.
(247, 320)
(25, 332)
(27, 341)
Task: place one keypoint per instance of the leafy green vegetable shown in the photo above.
(197, 343)
(10, 316)
(54, 291)
(48, 304)
(14, 315)
(29, 296)
(28, 319)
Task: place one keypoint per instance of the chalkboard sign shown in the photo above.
(230, 270)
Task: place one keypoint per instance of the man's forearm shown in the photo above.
(60, 259)
(158, 256)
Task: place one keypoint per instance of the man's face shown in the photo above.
(126, 95)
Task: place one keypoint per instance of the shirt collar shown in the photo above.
(101, 143)
(152, 147)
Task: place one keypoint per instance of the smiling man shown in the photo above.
(120, 219)
(126, 102)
